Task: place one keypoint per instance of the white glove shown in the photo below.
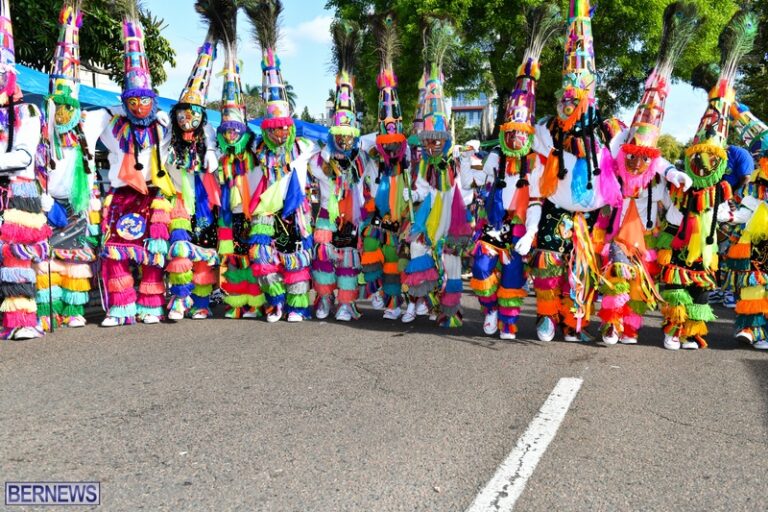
(95, 205)
(47, 202)
(413, 195)
(211, 162)
(523, 246)
(678, 179)
(724, 213)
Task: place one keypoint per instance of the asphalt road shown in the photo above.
(375, 416)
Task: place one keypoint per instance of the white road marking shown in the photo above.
(506, 486)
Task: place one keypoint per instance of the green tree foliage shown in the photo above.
(306, 116)
(35, 26)
(670, 148)
(753, 88)
(627, 35)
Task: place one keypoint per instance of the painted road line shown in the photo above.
(506, 486)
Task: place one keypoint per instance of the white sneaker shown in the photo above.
(343, 314)
(175, 315)
(392, 313)
(295, 317)
(26, 333)
(110, 321)
(323, 308)
(410, 313)
(507, 336)
(76, 321)
(689, 345)
(729, 300)
(377, 301)
(671, 342)
(491, 323)
(151, 319)
(251, 313)
(421, 308)
(628, 340)
(275, 315)
(745, 335)
(200, 315)
(761, 345)
(610, 337)
(545, 329)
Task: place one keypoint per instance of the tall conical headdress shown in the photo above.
(440, 39)
(680, 23)
(579, 79)
(64, 78)
(9, 89)
(711, 138)
(390, 113)
(195, 92)
(265, 16)
(138, 80)
(233, 114)
(520, 114)
(347, 42)
(752, 131)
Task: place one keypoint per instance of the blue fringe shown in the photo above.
(17, 275)
(275, 300)
(182, 290)
(75, 298)
(420, 264)
(305, 312)
(179, 235)
(454, 286)
(201, 302)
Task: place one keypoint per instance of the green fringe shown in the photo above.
(618, 288)
(325, 224)
(700, 312)
(370, 244)
(180, 277)
(639, 307)
(664, 241)
(713, 178)
(239, 275)
(677, 297)
(273, 289)
(73, 310)
(262, 229)
(236, 301)
(157, 246)
(256, 301)
(298, 301)
(202, 290)
(226, 247)
(324, 277)
(184, 224)
(511, 303)
(347, 282)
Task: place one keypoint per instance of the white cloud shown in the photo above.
(315, 31)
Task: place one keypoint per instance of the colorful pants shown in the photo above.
(284, 277)
(752, 282)
(126, 213)
(381, 264)
(23, 236)
(498, 279)
(240, 285)
(334, 268)
(65, 290)
(421, 277)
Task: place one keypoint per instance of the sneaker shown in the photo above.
(491, 323)
(729, 301)
(545, 329)
(343, 314)
(570, 334)
(275, 314)
(151, 319)
(295, 317)
(410, 313)
(26, 333)
(628, 340)
(392, 313)
(323, 308)
(200, 315)
(377, 301)
(110, 321)
(175, 315)
(421, 308)
(689, 344)
(507, 336)
(671, 342)
(217, 296)
(715, 297)
(761, 345)
(745, 336)
(610, 337)
(76, 321)
(251, 313)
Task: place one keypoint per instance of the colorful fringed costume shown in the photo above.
(630, 268)
(748, 257)
(498, 274)
(688, 246)
(281, 234)
(136, 214)
(387, 175)
(24, 232)
(192, 164)
(338, 170)
(440, 231)
(577, 181)
(76, 213)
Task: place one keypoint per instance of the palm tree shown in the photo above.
(255, 90)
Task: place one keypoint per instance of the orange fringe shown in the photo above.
(549, 178)
(664, 256)
(484, 284)
(152, 288)
(547, 307)
(369, 258)
(547, 295)
(752, 307)
(674, 314)
(694, 328)
(392, 267)
(740, 251)
(511, 293)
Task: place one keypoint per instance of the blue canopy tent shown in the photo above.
(34, 85)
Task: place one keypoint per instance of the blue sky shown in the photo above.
(305, 52)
